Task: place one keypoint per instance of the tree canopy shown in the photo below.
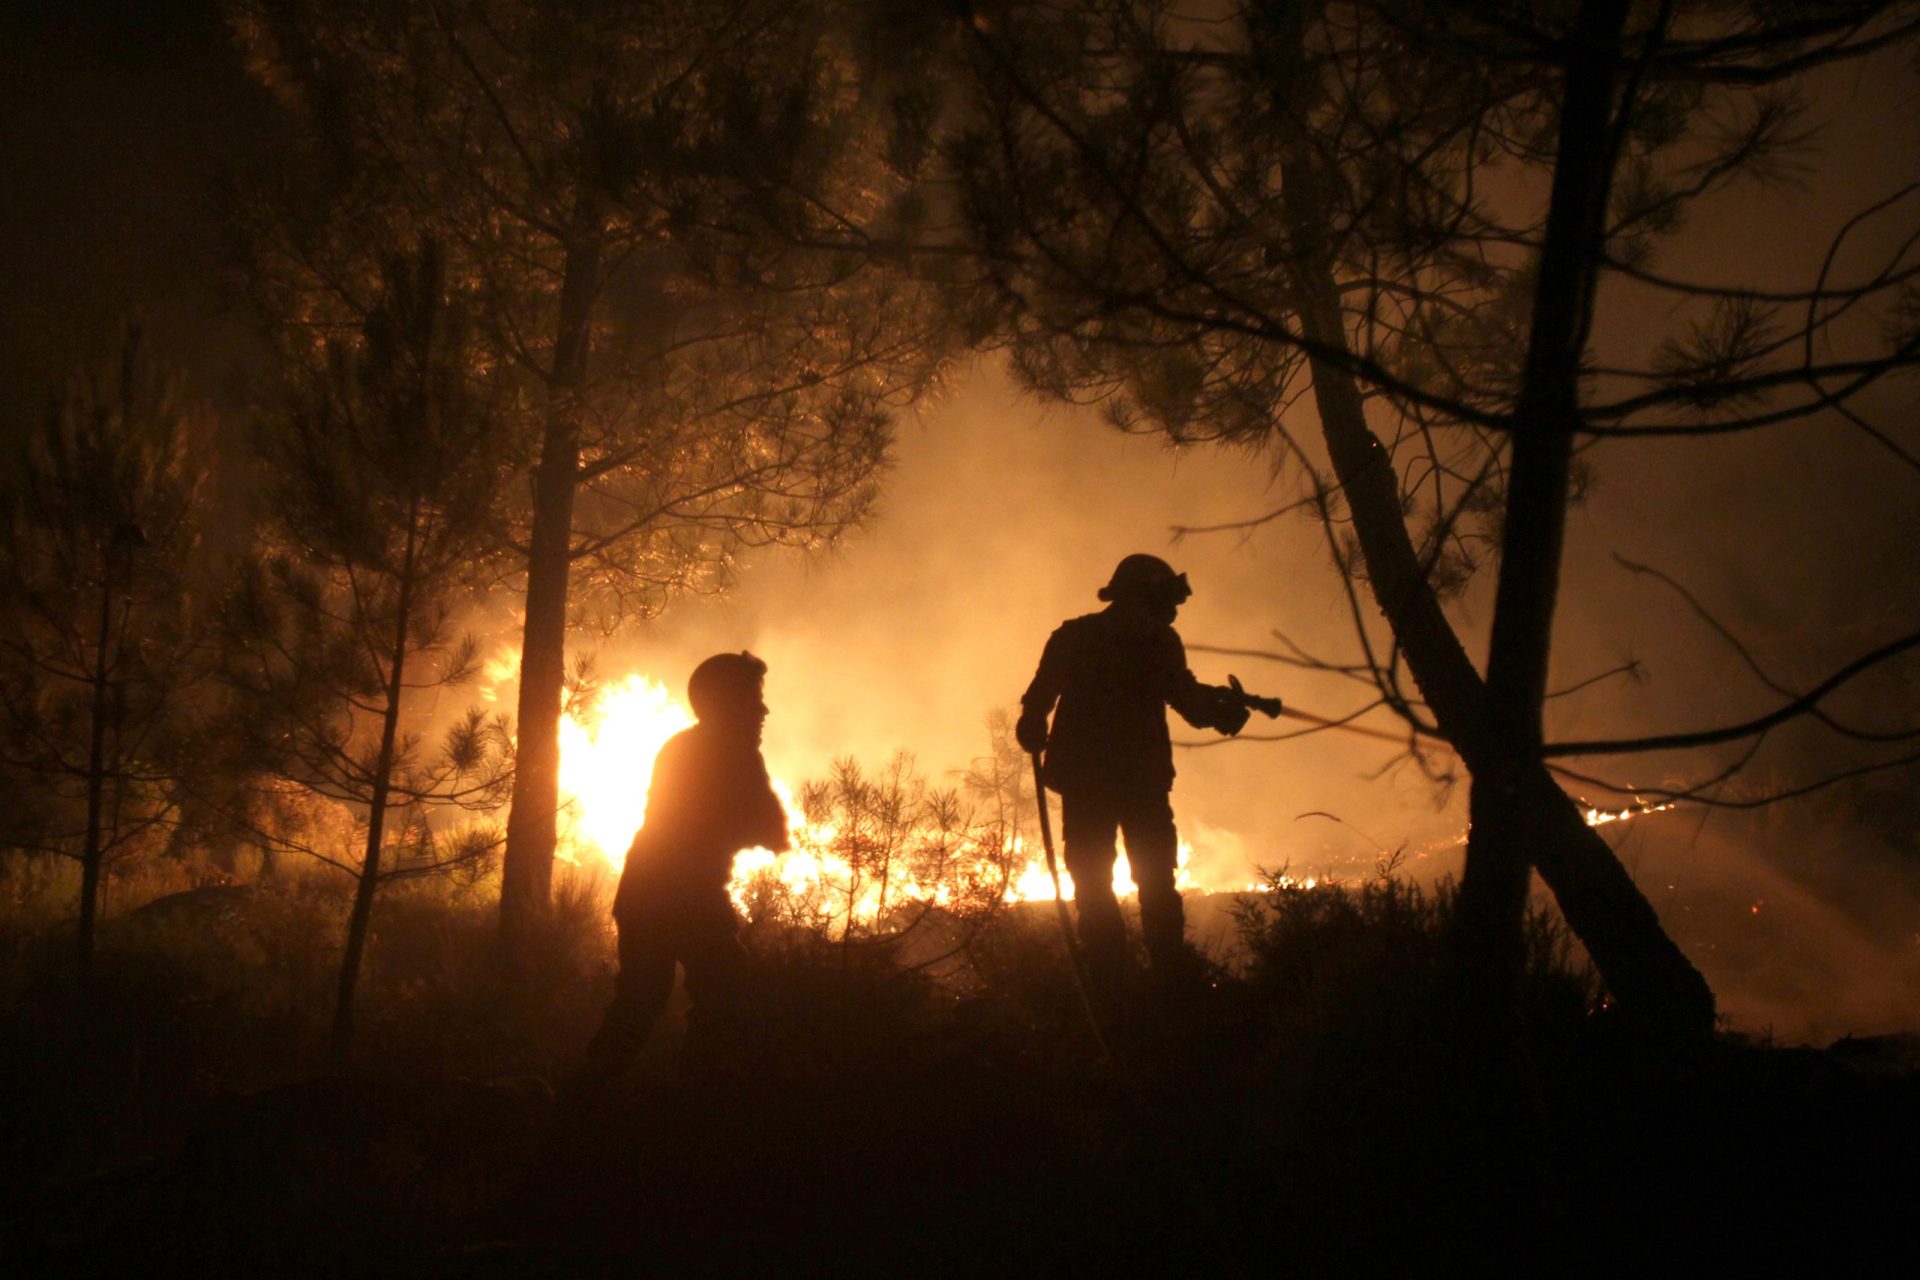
(646, 201)
(1409, 213)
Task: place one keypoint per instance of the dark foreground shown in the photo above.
(1309, 1113)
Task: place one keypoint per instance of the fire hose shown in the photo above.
(1270, 707)
(1074, 958)
(1148, 1115)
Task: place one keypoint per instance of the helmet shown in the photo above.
(723, 682)
(1144, 577)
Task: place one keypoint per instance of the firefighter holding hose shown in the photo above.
(1106, 680)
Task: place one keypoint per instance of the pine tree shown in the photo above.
(1403, 214)
(387, 460)
(651, 204)
(98, 634)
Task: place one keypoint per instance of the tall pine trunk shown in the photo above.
(527, 871)
(1505, 827)
(1646, 972)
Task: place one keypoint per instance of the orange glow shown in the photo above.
(1601, 817)
(606, 764)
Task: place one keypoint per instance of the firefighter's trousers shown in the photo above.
(1089, 821)
(700, 931)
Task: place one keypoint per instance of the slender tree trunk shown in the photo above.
(369, 883)
(1647, 973)
(527, 870)
(92, 852)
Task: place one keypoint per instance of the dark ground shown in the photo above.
(1309, 1113)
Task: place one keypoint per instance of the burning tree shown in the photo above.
(387, 460)
(635, 196)
(97, 618)
(883, 860)
(1410, 213)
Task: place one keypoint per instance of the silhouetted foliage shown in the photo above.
(1301, 1110)
(98, 619)
(888, 864)
(1407, 211)
(649, 204)
(387, 461)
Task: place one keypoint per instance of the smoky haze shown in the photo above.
(1001, 518)
(1003, 515)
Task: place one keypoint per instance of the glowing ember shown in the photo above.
(1601, 817)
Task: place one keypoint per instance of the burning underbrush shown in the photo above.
(872, 848)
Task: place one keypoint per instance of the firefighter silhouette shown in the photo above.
(709, 799)
(1107, 680)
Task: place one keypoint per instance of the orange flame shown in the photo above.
(606, 765)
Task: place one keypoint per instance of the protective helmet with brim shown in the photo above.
(1145, 577)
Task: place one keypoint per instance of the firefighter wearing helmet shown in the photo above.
(1107, 679)
(710, 798)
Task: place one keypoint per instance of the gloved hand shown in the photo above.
(1231, 718)
(1031, 731)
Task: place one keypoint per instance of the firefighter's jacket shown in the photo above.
(710, 798)
(1114, 674)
